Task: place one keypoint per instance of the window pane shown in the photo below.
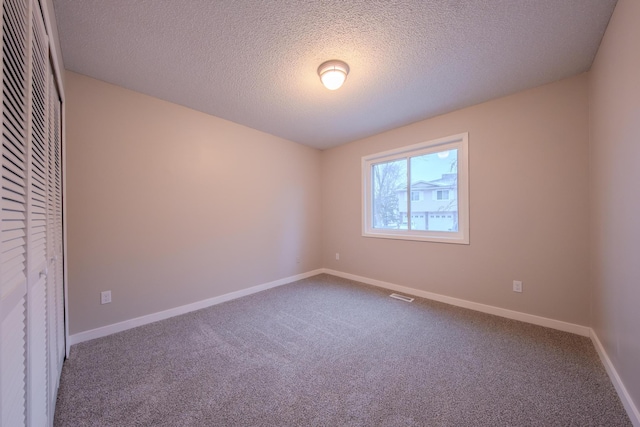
(389, 198)
(435, 177)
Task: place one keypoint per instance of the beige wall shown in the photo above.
(614, 97)
(167, 206)
(528, 157)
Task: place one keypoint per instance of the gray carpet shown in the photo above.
(330, 352)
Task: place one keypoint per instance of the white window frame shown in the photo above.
(459, 142)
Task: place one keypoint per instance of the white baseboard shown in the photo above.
(489, 309)
(631, 408)
(154, 317)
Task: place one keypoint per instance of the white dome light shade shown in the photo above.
(333, 74)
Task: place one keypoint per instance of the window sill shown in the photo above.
(434, 237)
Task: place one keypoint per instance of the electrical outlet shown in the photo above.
(105, 297)
(517, 286)
(337, 256)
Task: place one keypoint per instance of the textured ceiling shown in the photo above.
(254, 62)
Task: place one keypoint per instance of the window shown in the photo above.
(392, 205)
(442, 195)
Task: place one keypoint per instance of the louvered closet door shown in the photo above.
(13, 215)
(37, 343)
(32, 334)
(59, 251)
(55, 296)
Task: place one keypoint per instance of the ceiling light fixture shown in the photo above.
(333, 73)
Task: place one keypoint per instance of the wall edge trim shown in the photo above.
(625, 397)
(560, 325)
(623, 394)
(113, 328)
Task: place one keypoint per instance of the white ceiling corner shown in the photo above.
(255, 62)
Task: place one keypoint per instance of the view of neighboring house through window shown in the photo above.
(418, 192)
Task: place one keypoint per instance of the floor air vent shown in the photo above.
(401, 297)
